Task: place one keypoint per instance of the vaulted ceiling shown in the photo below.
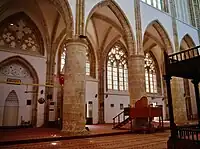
(42, 12)
(104, 29)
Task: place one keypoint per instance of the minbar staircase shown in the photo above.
(141, 111)
(121, 119)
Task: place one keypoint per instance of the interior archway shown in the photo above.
(18, 70)
(18, 32)
(156, 41)
(114, 25)
(189, 96)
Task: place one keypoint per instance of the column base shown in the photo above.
(76, 133)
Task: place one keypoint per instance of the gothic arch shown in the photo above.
(157, 69)
(22, 33)
(23, 62)
(11, 110)
(36, 16)
(188, 40)
(163, 34)
(187, 43)
(109, 47)
(30, 68)
(114, 7)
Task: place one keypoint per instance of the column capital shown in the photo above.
(76, 40)
(136, 56)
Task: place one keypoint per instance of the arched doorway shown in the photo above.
(11, 110)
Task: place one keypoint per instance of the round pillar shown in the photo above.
(179, 105)
(136, 78)
(74, 87)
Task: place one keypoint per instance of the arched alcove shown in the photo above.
(11, 110)
(18, 69)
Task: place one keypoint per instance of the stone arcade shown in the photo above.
(78, 61)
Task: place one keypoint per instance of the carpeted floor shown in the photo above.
(128, 141)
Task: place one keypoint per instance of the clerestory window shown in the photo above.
(159, 4)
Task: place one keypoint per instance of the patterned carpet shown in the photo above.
(128, 141)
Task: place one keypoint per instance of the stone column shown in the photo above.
(179, 105)
(187, 98)
(136, 77)
(170, 106)
(101, 108)
(74, 87)
(196, 88)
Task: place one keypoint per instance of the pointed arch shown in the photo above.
(19, 31)
(156, 80)
(163, 34)
(11, 110)
(128, 33)
(117, 67)
(109, 47)
(30, 68)
(23, 62)
(187, 42)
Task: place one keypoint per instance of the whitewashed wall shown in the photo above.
(91, 91)
(25, 111)
(149, 14)
(39, 64)
(184, 29)
(126, 7)
(115, 98)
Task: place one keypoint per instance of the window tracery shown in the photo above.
(150, 74)
(15, 70)
(117, 70)
(18, 32)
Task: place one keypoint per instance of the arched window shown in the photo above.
(62, 60)
(159, 4)
(87, 68)
(117, 71)
(150, 74)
